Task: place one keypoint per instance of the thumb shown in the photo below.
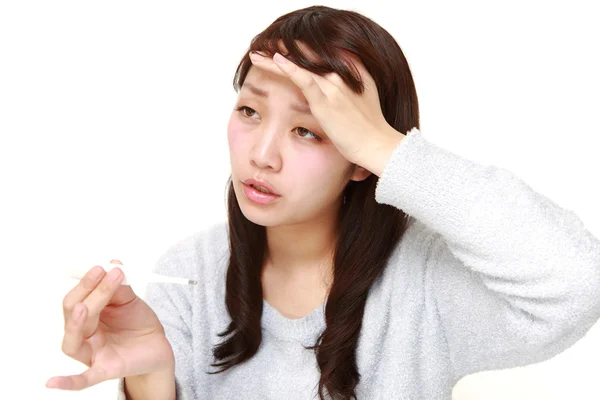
(91, 377)
(124, 294)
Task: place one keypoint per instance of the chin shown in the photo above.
(262, 217)
(267, 216)
(268, 221)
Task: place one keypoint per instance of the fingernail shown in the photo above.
(96, 272)
(114, 274)
(256, 56)
(279, 58)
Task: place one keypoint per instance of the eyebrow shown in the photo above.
(300, 107)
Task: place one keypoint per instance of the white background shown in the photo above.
(113, 143)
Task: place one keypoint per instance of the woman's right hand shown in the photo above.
(112, 331)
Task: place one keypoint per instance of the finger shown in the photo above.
(367, 78)
(100, 297)
(85, 286)
(266, 63)
(362, 72)
(122, 296)
(74, 344)
(303, 79)
(91, 377)
(124, 293)
(327, 85)
(334, 78)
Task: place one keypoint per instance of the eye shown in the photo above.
(246, 111)
(303, 132)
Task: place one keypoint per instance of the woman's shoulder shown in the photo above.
(412, 252)
(417, 237)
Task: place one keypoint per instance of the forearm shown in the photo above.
(157, 385)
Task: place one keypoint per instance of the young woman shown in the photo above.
(359, 259)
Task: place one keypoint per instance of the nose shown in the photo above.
(266, 151)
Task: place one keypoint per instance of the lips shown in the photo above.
(262, 186)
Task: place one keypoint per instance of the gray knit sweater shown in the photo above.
(489, 275)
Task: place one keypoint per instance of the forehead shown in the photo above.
(262, 77)
(272, 83)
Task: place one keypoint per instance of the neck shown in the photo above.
(302, 248)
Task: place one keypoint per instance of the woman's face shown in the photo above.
(273, 138)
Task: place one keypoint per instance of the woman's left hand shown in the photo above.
(354, 122)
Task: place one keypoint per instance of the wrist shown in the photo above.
(378, 153)
(167, 370)
(159, 384)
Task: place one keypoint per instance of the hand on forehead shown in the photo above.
(268, 64)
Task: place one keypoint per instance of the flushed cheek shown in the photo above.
(313, 169)
(236, 132)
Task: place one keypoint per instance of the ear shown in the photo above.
(359, 173)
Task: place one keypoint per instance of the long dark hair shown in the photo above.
(368, 231)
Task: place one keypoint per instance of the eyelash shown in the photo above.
(241, 110)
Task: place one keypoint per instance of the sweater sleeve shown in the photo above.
(515, 278)
(172, 304)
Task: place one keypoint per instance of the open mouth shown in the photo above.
(262, 189)
(260, 195)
